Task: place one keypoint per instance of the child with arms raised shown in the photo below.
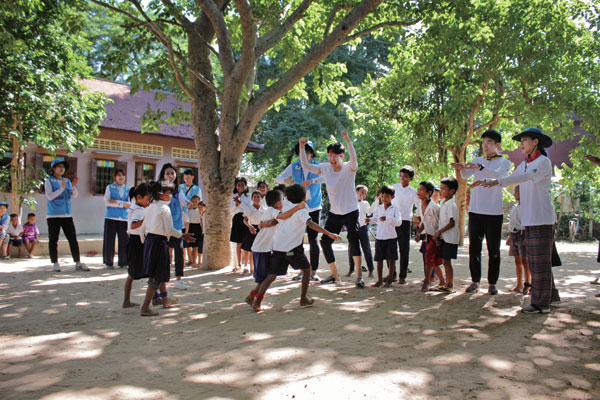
(288, 249)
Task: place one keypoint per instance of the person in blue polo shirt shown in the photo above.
(189, 190)
(116, 198)
(59, 192)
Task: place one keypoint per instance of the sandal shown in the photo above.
(595, 282)
(526, 288)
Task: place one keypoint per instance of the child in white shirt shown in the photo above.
(194, 226)
(428, 213)
(387, 217)
(288, 249)
(252, 217)
(364, 209)
(448, 234)
(15, 231)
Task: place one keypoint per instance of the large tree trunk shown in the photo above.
(16, 176)
(461, 197)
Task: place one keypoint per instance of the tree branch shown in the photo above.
(217, 20)
(273, 37)
(381, 25)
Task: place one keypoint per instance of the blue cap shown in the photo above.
(59, 160)
(3, 203)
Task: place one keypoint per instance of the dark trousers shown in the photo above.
(54, 226)
(490, 226)
(312, 240)
(177, 246)
(114, 228)
(403, 233)
(365, 244)
(334, 224)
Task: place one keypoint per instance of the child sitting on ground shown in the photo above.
(517, 248)
(387, 217)
(288, 249)
(263, 244)
(4, 222)
(15, 231)
(448, 234)
(30, 234)
(429, 216)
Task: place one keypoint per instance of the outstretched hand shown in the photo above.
(457, 166)
(345, 135)
(335, 237)
(188, 237)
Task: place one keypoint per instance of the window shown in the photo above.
(101, 174)
(186, 154)
(144, 172)
(118, 146)
(181, 170)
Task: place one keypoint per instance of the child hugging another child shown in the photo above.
(252, 217)
(139, 198)
(288, 249)
(30, 234)
(155, 233)
(448, 233)
(428, 213)
(263, 243)
(387, 217)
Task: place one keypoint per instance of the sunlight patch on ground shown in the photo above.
(118, 392)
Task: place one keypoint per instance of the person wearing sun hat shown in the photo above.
(59, 192)
(537, 213)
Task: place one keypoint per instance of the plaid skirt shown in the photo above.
(539, 242)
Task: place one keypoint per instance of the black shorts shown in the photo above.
(386, 249)
(280, 260)
(448, 251)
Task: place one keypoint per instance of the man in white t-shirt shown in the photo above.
(340, 182)
(485, 209)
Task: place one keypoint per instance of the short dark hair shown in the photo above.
(295, 193)
(262, 183)
(13, 215)
(142, 190)
(160, 187)
(408, 170)
(30, 215)
(492, 134)
(188, 172)
(451, 183)
(195, 197)
(336, 148)
(307, 149)
(387, 189)
(116, 172)
(280, 187)
(272, 197)
(359, 187)
(428, 186)
(256, 192)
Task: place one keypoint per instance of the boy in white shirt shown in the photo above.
(428, 214)
(404, 200)
(387, 217)
(15, 231)
(288, 249)
(364, 209)
(448, 233)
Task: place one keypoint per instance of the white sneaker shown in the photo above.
(180, 285)
(81, 267)
(56, 267)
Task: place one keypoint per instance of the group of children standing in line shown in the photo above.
(153, 220)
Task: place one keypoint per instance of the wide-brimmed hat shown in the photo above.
(308, 145)
(535, 133)
(59, 160)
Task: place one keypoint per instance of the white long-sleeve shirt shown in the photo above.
(365, 209)
(158, 220)
(386, 229)
(487, 201)
(405, 198)
(245, 201)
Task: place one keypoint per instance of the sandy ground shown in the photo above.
(65, 336)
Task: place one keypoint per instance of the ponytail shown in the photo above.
(143, 189)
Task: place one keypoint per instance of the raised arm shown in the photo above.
(291, 211)
(351, 151)
(304, 161)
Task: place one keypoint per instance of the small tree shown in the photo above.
(41, 99)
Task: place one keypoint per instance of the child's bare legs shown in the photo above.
(166, 302)
(304, 299)
(262, 290)
(250, 297)
(392, 269)
(30, 248)
(379, 282)
(126, 300)
(194, 258)
(19, 251)
(449, 273)
(439, 274)
(427, 280)
(190, 255)
(5, 250)
(519, 271)
(146, 311)
(238, 253)
(251, 262)
(334, 271)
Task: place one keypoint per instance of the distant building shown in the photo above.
(120, 145)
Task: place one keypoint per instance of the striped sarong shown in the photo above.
(539, 241)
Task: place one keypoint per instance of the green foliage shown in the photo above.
(41, 99)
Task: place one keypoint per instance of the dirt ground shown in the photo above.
(65, 336)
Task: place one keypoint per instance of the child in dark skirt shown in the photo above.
(156, 230)
(252, 217)
(194, 226)
(239, 202)
(140, 198)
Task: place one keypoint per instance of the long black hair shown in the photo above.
(160, 187)
(142, 190)
(161, 175)
(240, 179)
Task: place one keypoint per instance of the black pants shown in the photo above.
(54, 225)
(312, 240)
(365, 244)
(114, 228)
(403, 233)
(334, 224)
(177, 246)
(490, 226)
